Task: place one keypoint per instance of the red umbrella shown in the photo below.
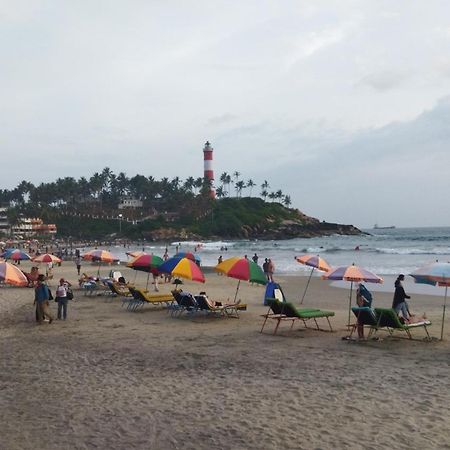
(146, 263)
(314, 261)
(46, 258)
(354, 274)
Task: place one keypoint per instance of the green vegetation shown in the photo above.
(89, 207)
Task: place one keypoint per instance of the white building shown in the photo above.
(130, 202)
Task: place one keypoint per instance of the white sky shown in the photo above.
(344, 105)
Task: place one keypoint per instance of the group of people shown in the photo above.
(399, 304)
(43, 296)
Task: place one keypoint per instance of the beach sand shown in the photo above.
(111, 379)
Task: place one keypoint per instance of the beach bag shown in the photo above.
(69, 294)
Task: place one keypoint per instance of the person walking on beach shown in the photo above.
(62, 299)
(266, 268)
(399, 302)
(41, 298)
(78, 264)
(270, 270)
(255, 258)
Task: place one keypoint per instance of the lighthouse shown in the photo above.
(208, 171)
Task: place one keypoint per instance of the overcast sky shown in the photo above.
(344, 105)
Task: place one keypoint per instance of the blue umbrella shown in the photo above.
(435, 274)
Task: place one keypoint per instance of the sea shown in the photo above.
(382, 251)
(385, 252)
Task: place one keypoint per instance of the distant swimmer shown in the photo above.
(357, 248)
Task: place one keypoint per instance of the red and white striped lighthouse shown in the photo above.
(208, 171)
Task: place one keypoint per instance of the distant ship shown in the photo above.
(376, 227)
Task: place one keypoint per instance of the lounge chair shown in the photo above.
(184, 302)
(284, 311)
(365, 316)
(142, 297)
(230, 310)
(388, 318)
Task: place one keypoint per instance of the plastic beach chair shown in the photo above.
(388, 318)
(365, 316)
(285, 311)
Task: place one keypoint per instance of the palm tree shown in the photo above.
(228, 182)
(236, 176)
(287, 201)
(220, 192)
(189, 184)
(279, 194)
(264, 194)
(239, 186)
(272, 196)
(251, 184)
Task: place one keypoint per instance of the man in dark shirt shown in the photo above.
(399, 302)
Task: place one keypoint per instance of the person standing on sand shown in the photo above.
(41, 298)
(266, 268)
(255, 258)
(61, 298)
(78, 264)
(270, 270)
(399, 302)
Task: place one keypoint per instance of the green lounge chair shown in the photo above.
(366, 317)
(284, 311)
(388, 318)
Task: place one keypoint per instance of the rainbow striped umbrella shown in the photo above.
(46, 258)
(12, 275)
(241, 269)
(135, 254)
(354, 274)
(314, 261)
(146, 263)
(182, 267)
(436, 273)
(188, 255)
(100, 256)
(15, 254)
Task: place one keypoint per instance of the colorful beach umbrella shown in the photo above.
(314, 261)
(135, 254)
(435, 274)
(46, 258)
(100, 256)
(10, 274)
(241, 269)
(354, 274)
(146, 263)
(183, 268)
(188, 255)
(15, 254)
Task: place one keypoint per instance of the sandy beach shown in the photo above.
(111, 379)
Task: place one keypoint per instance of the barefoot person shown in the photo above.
(399, 302)
(41, 298)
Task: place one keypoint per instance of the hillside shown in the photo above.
(236, 218)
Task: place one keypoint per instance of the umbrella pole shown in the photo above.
(237, 290)
(443, 314)
(350, 302)
(307, 284)
(148, 277)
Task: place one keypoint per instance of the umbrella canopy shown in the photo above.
(188, 255)
(183, 268)
(46, 258)
(135, 254)
(435, 274)
(145, 262)
(12, 275)
(100, 255)
(241, 269)
(354, 274)
(15, 254)
(314, 261)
